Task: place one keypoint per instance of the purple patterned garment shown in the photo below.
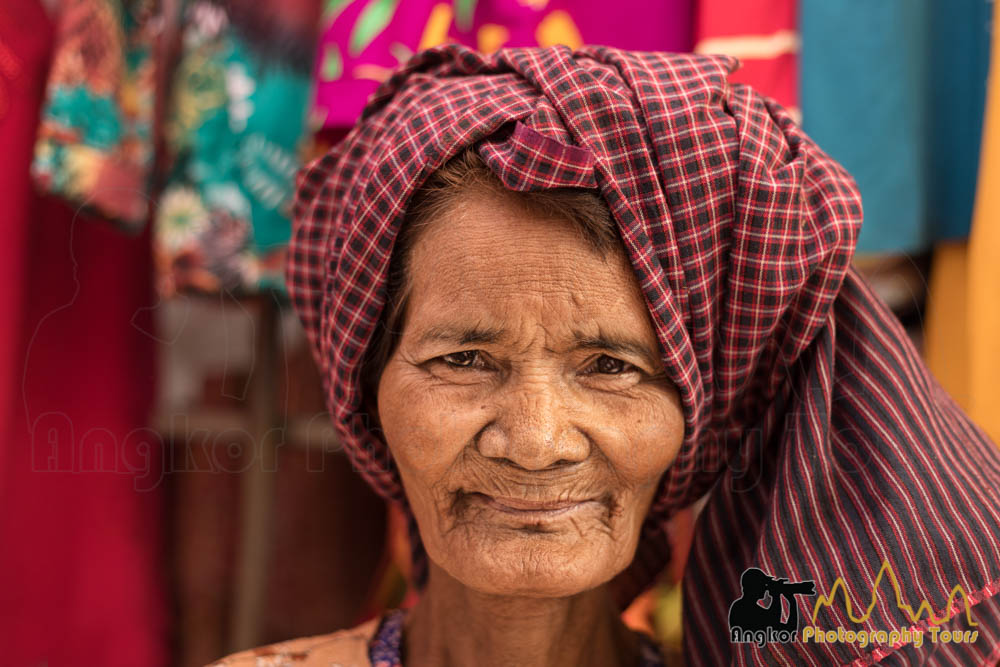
(385, 647)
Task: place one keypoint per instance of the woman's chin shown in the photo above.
(533, 565)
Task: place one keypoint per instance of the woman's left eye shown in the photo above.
(610, 366)
(464, 359)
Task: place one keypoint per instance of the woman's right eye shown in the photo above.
(464, 359)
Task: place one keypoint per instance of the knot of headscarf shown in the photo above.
(800, 392)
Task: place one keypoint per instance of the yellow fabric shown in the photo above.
(963, 328)
(946, 331)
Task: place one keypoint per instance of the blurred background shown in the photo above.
(171, 489)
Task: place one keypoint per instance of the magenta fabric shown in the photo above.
(345, 77)
(824, 445)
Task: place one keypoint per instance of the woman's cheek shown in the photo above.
(428, 427)
(648, 433)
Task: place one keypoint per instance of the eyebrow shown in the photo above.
(617, 345)
(461, 335)
(486, 335)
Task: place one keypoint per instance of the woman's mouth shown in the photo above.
(531, 510)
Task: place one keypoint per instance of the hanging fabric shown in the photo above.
(236, 91)
(864, 71)
(960, 44)
(81, 579)
(95, 139)
(364, 40)
(24, 61)
(894, 91)
(235, 131)
(763, 34)
(963, 314)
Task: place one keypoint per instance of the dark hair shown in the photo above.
(467, 173)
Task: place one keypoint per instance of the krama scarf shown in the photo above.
(825, 447)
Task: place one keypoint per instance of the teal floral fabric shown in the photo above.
(224, 89)
(235, 131)
(94, 144)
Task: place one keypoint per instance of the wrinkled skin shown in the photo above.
(526, 408)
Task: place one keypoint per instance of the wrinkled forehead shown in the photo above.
(515, 274)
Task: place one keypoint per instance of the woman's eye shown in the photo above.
(611, 366)
(464, 359)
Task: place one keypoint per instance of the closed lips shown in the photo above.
(518, 505)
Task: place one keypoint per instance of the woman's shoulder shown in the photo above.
(348, 648)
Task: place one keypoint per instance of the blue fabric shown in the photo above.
(960, 43)
(385, 647)
(864, 65)
(894, 90)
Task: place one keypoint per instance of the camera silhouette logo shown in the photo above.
(758, 615)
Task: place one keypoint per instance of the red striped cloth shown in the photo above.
(825, 446)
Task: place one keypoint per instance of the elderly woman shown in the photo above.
(558, 296)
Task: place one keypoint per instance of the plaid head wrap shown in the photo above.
(826, 448)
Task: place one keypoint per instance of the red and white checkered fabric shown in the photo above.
(825, 446)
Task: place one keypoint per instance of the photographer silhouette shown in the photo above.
(746, 614)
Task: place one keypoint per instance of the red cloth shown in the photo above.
(80, 571)
(81, 556)
(763, 34)
(24, 62)
(825, 446)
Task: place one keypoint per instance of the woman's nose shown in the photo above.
(534, 429)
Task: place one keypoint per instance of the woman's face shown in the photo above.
(525, 404)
